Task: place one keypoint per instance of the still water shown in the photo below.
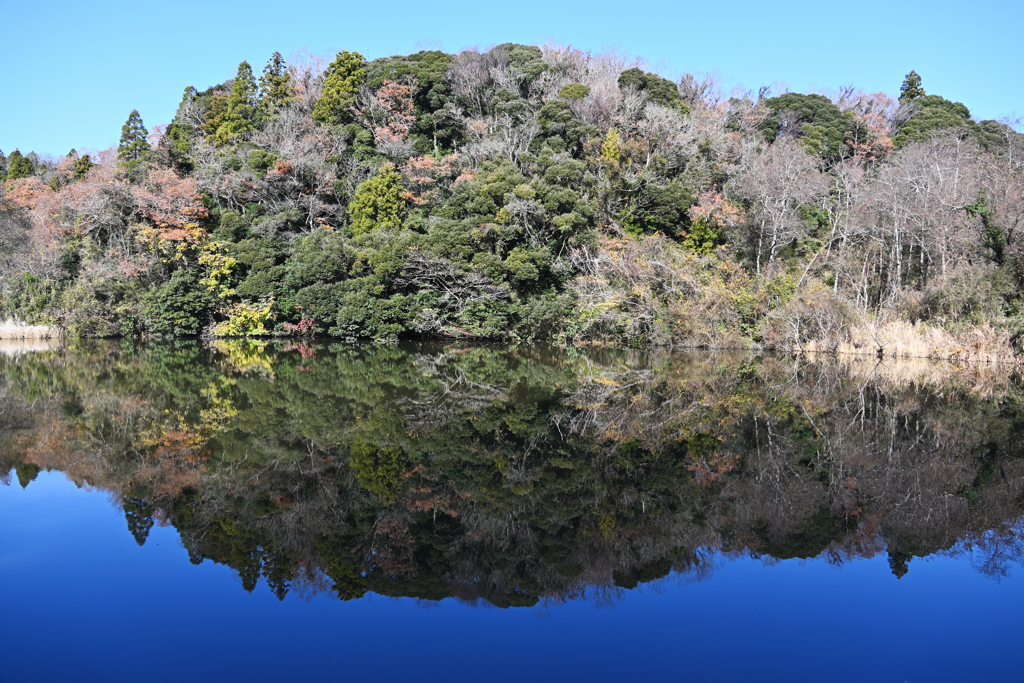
(261, 511)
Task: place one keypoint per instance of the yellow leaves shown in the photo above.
(246, 354)
(218, 415)
(213, 256)
(611, 146)
(246, 320)
(606, 522)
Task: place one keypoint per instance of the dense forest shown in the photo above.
(530, 193)
(520, 475)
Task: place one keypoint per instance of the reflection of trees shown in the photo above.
(512, 477)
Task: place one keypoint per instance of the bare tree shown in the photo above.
(774, 184)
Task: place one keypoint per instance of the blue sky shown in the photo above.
(72, 71)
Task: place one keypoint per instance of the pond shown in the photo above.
(262, 510)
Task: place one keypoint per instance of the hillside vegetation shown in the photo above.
(530, 193)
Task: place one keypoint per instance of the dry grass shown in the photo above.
(982, 380)
(19, 347)
(898, 339)
(11, 329)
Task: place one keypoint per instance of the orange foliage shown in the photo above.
(389, 112)
(428, 177)
(172, 204)
(715, 210)
(709, 470)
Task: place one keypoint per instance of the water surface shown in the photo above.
(268, 511)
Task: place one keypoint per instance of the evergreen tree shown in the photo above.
(242, 113)
(188, 97)
(133, 145)
(82, 166)
(73, 154)
(18, 166)
(934, 113)
(275, 85)
(911, 88)
(139, 515)
(344, 76)
(27, 472)
(215, 115)
(378, 203)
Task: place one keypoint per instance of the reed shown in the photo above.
(12, 329)
(899, 339)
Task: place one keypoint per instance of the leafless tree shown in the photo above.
(774, 184)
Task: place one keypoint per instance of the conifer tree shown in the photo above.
(275, 85)
(82, 166)
(18, 166)
(344, 76)
(215, 115)
(133, 145)
(242, 113)
(911, 88)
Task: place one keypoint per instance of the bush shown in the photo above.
(181, 306)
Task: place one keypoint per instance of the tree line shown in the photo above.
(530, 193)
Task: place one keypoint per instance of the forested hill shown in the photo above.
(529, 193)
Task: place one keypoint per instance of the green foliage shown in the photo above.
(138, 512)
(972, 297)
(102, 304)
(179, 135)
(378, 469)
(83, 165)
(247, 320)
(19, 167)
(527, 58)
(933, 114)
(661, 208)
(611, 146)
(320, 257)
(658, 90)
(32, 299)
(243, 113)
(994, 237)
(703, 238)
(180, 306)
(341, 82)
(276, 88)
(561, 131)
(259, 268)
(437, 128)
(378, 203)
(813, 120)
(574, 91)
(134, 144)
(27, 473)
(911, 88)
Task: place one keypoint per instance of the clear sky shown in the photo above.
(72, 71)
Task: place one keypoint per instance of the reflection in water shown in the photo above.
(519, 475)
